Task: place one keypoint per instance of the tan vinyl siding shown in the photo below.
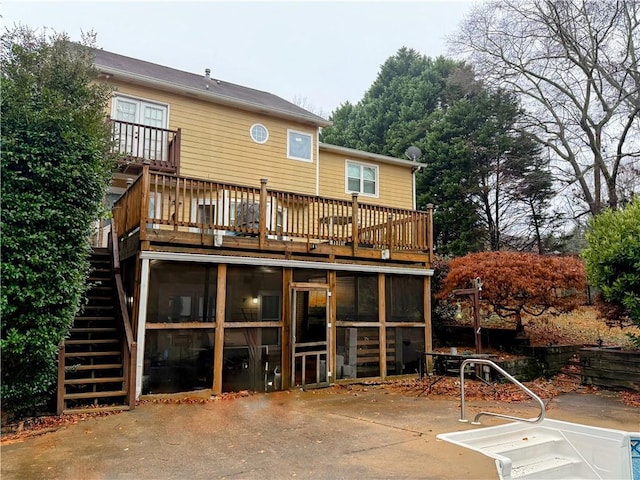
(216, 143)
(395, 184)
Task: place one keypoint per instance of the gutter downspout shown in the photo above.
(318, 161)
(414, 170)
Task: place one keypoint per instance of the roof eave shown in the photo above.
(371, 156)
(210, 96)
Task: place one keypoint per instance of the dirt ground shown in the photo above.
(349, 431)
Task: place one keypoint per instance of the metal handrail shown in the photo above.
(509, 377)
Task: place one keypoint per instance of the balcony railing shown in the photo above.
(167, 202)
(134, 143)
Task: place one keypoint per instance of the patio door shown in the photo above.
(135, 139)
(311, 335)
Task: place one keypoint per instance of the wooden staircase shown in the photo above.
(92, 372)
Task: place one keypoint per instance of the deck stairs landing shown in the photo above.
(93, 366)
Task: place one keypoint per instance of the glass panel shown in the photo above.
(369, 187)
(404, 349)
(181, 292)
(177, 360)
(353, 170)
(356, 297)
(254, 293)
(405, 298)
(252, 360)
(300, 145)
(354, 185)
(357, 352)
(125, 110)
(369, 173)
(259, 133)
(153, 117)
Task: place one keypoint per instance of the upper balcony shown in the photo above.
(134, 143)
(174, 210)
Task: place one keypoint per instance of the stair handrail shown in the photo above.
(508, 376)
(129, 360)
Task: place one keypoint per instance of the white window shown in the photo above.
(259, 133)
(361, 178)
(299, 146)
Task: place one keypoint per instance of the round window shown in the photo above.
(259, 133)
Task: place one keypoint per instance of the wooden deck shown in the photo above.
(167, 209)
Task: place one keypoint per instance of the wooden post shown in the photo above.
(382, 315)
(133, 368)
(287, 278)
(430, 232)
(61, 387)
(332, 349)
(218, 343)
(144, 208)
(390, 232)
(476, 319)
(262, 225)
(354, 224)
(176, 148)
(428, 332)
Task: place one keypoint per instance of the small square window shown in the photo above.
(299, 146)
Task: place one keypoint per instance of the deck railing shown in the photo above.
(168, 202)
(129, 345)
(134, 143)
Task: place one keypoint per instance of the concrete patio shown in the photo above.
(333, 433)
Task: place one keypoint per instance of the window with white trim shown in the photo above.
(259, 133)
(299, 146)
(361, 178)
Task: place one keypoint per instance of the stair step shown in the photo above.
(93, 329)
(98, 318)
(113, 408)
(509, 443)
(91, 354)
(99, 366)
(111, 393)
(82, 381)
(101, 341)
(98, 307)
(547, 466)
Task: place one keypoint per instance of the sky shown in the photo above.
(317, 54)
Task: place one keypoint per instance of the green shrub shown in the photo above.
(612, 258)
(54, 177)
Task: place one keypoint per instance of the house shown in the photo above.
(243, 253)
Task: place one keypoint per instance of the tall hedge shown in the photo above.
(612, 258)
(54, 176)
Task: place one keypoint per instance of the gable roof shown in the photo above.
(214, 90)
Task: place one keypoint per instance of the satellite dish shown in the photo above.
(413, 153)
